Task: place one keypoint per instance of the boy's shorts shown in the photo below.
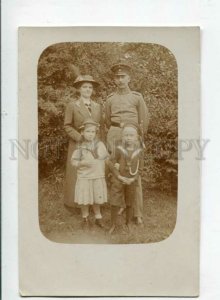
(122, 195)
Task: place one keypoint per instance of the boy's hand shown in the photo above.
(130, 180)
(126, 180)
(122, 179)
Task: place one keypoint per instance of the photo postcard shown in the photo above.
(109, 161)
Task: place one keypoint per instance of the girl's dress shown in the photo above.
(90, 184)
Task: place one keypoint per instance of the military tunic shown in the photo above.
(121, 106)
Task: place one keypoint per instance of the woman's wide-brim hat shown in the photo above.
(85, 78)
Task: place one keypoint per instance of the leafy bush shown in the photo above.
(154, 74)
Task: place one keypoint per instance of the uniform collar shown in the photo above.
(123, 91)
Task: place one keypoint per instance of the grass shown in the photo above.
(61, 225)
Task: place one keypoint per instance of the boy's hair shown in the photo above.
(133, 125)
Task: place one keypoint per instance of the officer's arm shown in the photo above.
(143, 114)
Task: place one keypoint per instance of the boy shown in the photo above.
(126, 164)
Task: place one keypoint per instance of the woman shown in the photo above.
(77, 111)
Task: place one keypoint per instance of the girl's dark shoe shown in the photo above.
(99, 223)
(85, 224)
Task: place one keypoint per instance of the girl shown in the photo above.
(89, 161)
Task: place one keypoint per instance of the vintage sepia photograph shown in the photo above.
(109, 194)
(107, 142)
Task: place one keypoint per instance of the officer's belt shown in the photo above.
(116, 124)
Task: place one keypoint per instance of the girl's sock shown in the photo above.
(85, 211)
(97, 212)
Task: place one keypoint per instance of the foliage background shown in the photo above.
(154, 74)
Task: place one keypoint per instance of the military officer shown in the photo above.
(123, 106)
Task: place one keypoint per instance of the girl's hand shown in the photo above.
(86, 163)
(117, 166)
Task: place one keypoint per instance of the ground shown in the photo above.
(65, 226)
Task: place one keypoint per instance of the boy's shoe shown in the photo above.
(129, 215)
(129, 226)
(99, 223)
(85, 224)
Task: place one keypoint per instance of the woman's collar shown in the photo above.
(85, 101)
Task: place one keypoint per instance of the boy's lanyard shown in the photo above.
(135, 172)
(129, 158)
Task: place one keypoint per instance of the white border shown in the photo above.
(126, 13)
(177, 256)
